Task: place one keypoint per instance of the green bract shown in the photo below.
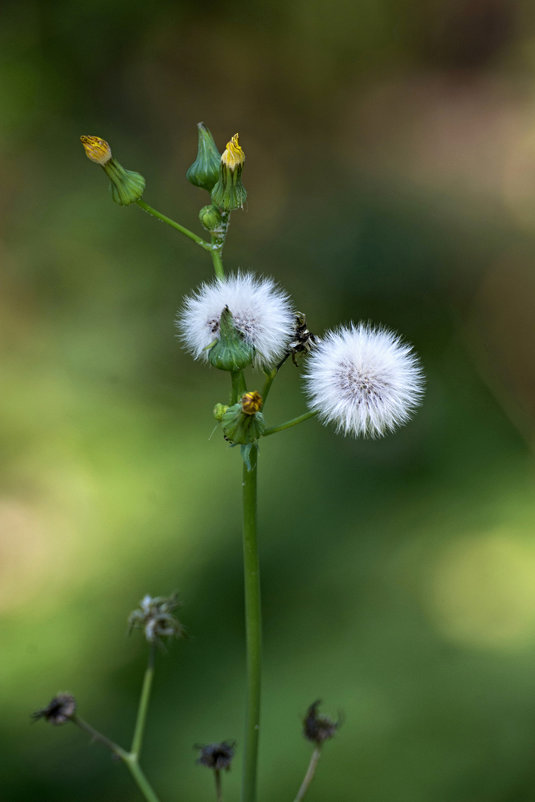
(204, 171)
(231, 351)
(239, 428)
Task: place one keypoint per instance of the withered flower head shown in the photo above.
(59, 710)
(251, 403)
(217, 756)
(317, 728)
(155, 617)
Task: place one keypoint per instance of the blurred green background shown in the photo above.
(391, 177)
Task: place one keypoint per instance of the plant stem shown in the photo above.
(143, 705)
(218, 236)
(98, 736)
(218, 786)
(140, 779)
(289, 423)
(217, 261)
(129, 758)
(270, 375)
(238, 386)
(253, 628)
(175, 225)
(309, 776)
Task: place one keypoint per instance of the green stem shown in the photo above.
(218, 786)
(129, 758)
(289, 423)
(309, 776)
(270, 375)
(143, 705)
(217, 262)
(253, 628)
(238, 386)
(140, 779)
(175, 225)
(98, 736)
(218, 236)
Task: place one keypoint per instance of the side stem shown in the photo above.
(143, 707)
(253, 628)
(129, 758)
(289, 423)
(309, 776)
(183, 230)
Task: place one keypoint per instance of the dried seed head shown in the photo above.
(59, 710)
(318, 728)
(217, 756)
(154, 616)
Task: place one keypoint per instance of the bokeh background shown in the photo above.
(391, 177)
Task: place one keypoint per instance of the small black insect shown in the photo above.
(303, 341)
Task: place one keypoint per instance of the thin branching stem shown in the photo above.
(309, 776)
(98, 736)
(143, 707)
(129, 759)
(218, 786)
(183, 230)
(289, 423)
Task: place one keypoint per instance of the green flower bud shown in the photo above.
(231, 351)
(126, 186)
(204, 171)
(210, 217)
(219, 411)
(241, 428)
(229, 192)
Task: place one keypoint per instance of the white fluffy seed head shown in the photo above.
(365, 380)
(261, 310)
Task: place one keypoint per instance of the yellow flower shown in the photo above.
(233, 156)
(96, 149)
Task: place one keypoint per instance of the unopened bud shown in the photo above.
(210, 217)
(204, 171)
(229, 192)
(219, 411)
(126, 186)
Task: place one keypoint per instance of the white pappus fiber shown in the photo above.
(261, 310)
(365, 380)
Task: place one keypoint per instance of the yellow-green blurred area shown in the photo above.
(391, 177)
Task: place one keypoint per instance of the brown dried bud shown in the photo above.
(59, 710)
(318, 728)
(217, 756)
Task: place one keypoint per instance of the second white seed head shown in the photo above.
(364, 380)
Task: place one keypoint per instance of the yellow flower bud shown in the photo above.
(126, 186)
(96, 149)
(229, 192)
